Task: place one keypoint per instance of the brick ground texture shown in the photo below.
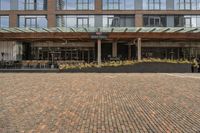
(99, 103)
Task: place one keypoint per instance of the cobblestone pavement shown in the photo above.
(99, 103)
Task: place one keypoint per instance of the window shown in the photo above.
(154, 4)
(33, 21)
(113, 22)
(75, 20)
(198, 4)
(194, 4)
(187, 21)
(75, 4)
(82, 4)
(187, 4)
(118, 21)
(82, 22)
(4, 21)
(32, 4)
(118, 4)
(4, 4)
(155, 21)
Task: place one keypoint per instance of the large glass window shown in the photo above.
(187, 4)
(154, 4)
(198, 4)
(118, 4)
(118, 21)
(4, 21)
(75, 21)
(4, 4)
(187, 21)
(155, 21)
(33, 21)
(32, 4)
(75, 4)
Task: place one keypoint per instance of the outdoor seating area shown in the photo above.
(37, 64)
(9, 64)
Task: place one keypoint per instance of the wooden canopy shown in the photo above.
(86, 34)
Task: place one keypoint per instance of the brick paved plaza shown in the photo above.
(99, 103)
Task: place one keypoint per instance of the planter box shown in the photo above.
(149, 67)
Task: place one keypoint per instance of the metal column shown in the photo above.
(99, 52)
(139, 49)
(114, 49)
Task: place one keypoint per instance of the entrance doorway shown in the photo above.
(26, 54)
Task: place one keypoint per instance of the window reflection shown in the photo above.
(187, 4)
(154, 4)
(118, 4)
(118, 21)
(155, 21)
(75, 20)
(33, 21)
(75, 4)
(4, 21)
(32, 4)
(5, 4)
(187, 21)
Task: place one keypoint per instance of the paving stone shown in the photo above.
(99, 103)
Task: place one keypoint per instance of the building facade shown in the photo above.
(96, 30)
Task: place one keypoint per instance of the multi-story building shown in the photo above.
(95, 30)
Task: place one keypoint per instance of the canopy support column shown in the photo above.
(99, 52)
(129, 52)
(114, 49)
(139, 49)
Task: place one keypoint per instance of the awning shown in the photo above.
(111, 33)
(103, 30)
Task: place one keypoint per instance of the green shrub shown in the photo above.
(118, 63)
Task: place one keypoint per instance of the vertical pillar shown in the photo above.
(138, 20)
(139, 49)
(13, 20)
(98, 6)
(114, 49)
(51, 13)
(129, 52)
(99, 51)
(178, 54)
